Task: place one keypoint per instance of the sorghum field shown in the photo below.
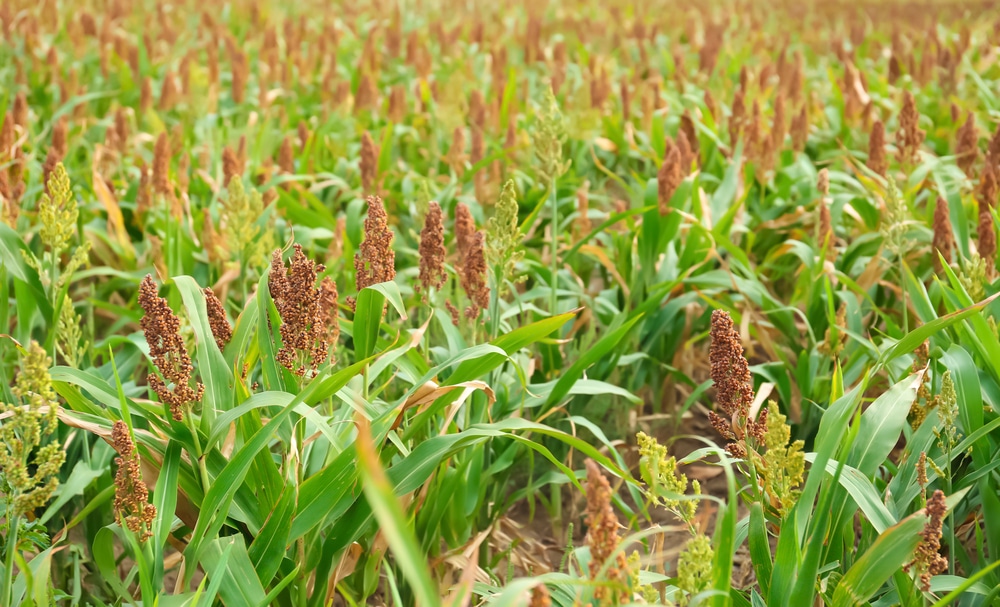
(434, 302)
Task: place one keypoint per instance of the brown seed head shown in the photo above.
(59, 132)
(927, 559)
(146, 95)
(477, 109)
(583, 225)
(298, 301)
(7, 137)
(432, 251)
(455, 313)
(540, 597)
(367, 94)
(730, 371)
(993, 150)
(166, 347)
(221, 329)
(687, 155)
(823, 182)
(473, 277)
(131, 505)
(909, 137)
(329, 316)
(240, 73)
(231, 165)
(161, 166)
(376, 261)
(286, 157)
(736, 118)
(465, 229)
(944, 238)
(967, 145)
(668, 178)
(369, 162)
(20, 110)
(800, 130)
(168, 92)
(602, 532)
(877, 161)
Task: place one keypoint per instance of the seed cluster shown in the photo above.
(376, 262)
(602, 536)
(432, 251)
(305, 311)
(131, 505)
(221, 329)
(166, 347)
(928, 561)
(734, 387)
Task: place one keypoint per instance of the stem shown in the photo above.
(902, 284)
(495, 303)
(951, 526)
(199, 455)
(554, 302)
(7, 594)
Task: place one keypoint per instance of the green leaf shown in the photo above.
(268, 548)
(881, 424)
(368, 312)
(240, 586)
(888, 554)
(594, 354)
(212, 367)
(393, 522)
(509, 343)
(760, 547)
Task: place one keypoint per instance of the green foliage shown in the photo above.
(437, 456)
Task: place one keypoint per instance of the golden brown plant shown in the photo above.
(687, 155)
(473, 277)
(376, 261)
(988, 190)
(736, 118)
(465, 229)
(131, 505)
(944, 238)
(329, 316)
(733, 384)
(432, 251)
(367, 95)
(221, 329)
(20, 110)
(161, 166)
(877, 161)
(582, 225)
(146, 95)
(240, 73)
(166, 347)
(928, 560)
(967, 145)
(300, 305)
(540, 597)
(168, 92)
(909, 137)
(231, 166)
(800, 130)
(602, 538)
(668, 178)
(369, 162)
(286, 158)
